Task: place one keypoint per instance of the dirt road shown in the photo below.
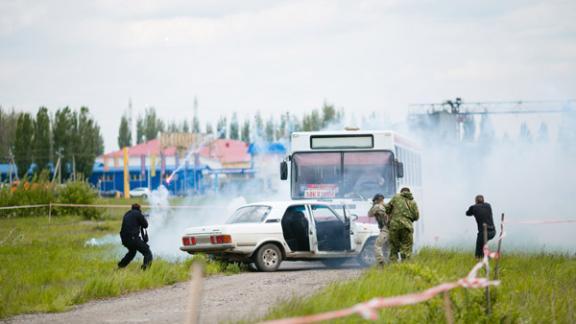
(225, 298)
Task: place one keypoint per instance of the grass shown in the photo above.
(47, 267)
(536, 288)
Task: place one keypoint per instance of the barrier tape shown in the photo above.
(368, 310)
(553, 221)
(25, 206)
(143, 206)
(115, 206)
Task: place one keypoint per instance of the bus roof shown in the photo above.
(396, 137)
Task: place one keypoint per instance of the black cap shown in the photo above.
(377, 197)
(136, 206)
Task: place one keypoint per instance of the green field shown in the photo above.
(47, 267)
(535, 289)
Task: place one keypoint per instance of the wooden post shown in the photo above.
(195, 294)
(488, 306)
(448, 308)
(496, 266)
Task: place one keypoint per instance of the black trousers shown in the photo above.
(135, 244)
(480, 241)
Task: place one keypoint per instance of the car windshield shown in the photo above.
(249, 214)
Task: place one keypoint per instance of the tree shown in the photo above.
(258, 125)
(234, 127)
(77, 139)
(281, 130)
(63, 132)
(23, 143)
(124, 133)
(269, 130)
(221, 127)
(139, 130)
(209, 129)
(245, 136)
(195, 119)
(328, 115)
(184, 127)
(88, 142)
(152, 125)
(543, 132)
(525, 134)
(42, 139)
(8, 122)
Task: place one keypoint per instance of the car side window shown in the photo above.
(324, 214)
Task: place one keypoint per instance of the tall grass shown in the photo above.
(47, 267)
(535, 289)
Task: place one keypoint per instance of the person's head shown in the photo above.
(479, 199)
(378, 198)
(405, 189)
(136, 206)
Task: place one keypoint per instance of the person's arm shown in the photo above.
(470, 211)
(142, 220)
(415, 212)
(390, 205)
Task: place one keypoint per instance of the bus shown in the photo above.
(351, 165)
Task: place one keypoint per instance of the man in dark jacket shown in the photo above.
(482, 211)
(133, 224)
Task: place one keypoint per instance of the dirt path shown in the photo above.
(225, 298)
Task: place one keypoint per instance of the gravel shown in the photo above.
(225, 298)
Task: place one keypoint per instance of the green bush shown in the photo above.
(39, 191)
(77, 193)
(36, 192)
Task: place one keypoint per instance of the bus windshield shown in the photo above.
(343, 174)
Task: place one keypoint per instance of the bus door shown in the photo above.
(332, 231)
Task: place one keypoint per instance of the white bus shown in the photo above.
(352, 165)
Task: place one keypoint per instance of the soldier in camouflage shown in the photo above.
(378, 211)
(403, 212)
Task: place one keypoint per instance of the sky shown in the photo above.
(274, 56)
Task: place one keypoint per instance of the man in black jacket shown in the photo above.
(482, 211)
(133, 224)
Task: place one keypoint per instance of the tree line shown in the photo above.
(149, 125)
(40, 139)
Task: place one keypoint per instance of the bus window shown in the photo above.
(366, 174)
(316, 175)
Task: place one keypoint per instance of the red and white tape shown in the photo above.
(542, 221)
(368, 310)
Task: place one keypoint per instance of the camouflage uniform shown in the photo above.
(403, 212)
(381, 247)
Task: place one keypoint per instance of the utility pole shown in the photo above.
(73, 168)
(58, 168)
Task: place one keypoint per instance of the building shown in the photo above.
(165, 161)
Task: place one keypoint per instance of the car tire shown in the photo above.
(367, 257)
(268, 257)
(334, 263)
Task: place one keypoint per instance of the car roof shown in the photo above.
(286, 203)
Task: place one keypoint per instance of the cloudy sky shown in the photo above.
(281, 55)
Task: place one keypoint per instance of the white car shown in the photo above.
(141, 192)
(267, 233)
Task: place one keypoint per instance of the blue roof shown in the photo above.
(269, 148)
(5, 168)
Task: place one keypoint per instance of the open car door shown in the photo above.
(332, 230)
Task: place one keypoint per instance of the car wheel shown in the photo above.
(268, 257)
(333, 263)
(367, 257)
